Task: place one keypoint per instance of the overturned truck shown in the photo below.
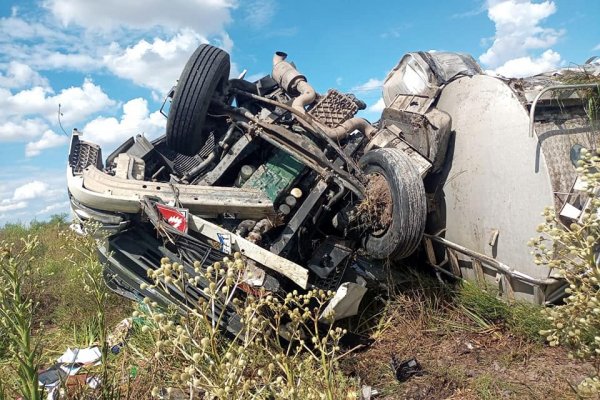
(455, 173)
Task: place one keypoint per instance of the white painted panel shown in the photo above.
(492, 183)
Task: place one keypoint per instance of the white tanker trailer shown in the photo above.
(501, 150)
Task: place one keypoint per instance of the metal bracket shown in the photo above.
(555, 88)
(168, 96)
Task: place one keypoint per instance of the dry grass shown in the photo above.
(376, 208)
(466, 354)
(571, 77)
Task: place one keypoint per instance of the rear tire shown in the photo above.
(205, 74)
(409, 204)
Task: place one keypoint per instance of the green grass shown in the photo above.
(64, 302)
(519, 318)
(486, 387)
(482, 303)
(65, 315)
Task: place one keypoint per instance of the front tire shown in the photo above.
(205, 75)
(409, 204)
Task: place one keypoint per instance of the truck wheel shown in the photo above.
(204, 75)
(404, 230)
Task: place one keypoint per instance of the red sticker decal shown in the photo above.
(176, 217)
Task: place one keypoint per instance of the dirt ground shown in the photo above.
(461, 360)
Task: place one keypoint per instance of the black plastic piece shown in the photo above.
(266, 85)
(328, 256)
(180, 164)
(52, 376)
(84, 154)
(121, 149)
(333, 280)
(403, 370)
(142, 148)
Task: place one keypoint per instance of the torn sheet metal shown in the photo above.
(290, 269)
(423, 73)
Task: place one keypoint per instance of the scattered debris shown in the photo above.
(87, 356)
(345, 302)
(406, 369)
(468, 347)
(66, 370)
(51, 378)
(368, 393)
(116, 339)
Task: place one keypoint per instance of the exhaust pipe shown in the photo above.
(292, 81)
(345, 128)
(278, 57)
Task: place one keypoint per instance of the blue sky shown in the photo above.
(109, 63)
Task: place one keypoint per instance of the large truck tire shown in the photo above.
(409, 205)
(205, 74)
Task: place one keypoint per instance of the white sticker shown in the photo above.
(225, 240)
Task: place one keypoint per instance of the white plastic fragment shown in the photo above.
(345, 302)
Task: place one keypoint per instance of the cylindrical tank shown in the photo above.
(498, 178)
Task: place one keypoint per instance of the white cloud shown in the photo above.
(259, 12)
(17, 28)
(20, 75)
(27, 115)
(21, 192)
(371, 84)
(155, 65)
(204, 16)
(21, 130)
(377, 107)
(75, 61)
(528, 66)
(518, 33)
(54, 207)
(145, 42)
(30, 190)
(44, 46)
(12, 206)
(596, 48)
(77, 103)
(136, 119)
(43, 55)
(48, 140)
